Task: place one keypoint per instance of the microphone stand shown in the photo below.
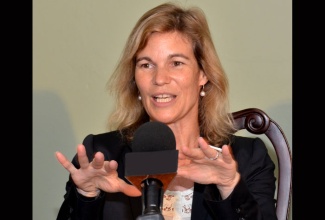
(152, 197)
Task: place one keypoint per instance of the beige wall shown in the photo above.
(76, 45)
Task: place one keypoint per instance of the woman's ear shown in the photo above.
(203, 78)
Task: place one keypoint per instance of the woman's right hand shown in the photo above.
(97, 174)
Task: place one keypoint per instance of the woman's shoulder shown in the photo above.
(251, 153)
(243, 143)
(106, 136)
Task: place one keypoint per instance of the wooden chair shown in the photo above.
(258, 122)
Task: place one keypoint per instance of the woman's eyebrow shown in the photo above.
(169, 57)
(143, 58)
(178, 55)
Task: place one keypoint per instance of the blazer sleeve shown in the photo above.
(253, 196)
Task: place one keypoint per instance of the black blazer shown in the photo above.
(252, 198)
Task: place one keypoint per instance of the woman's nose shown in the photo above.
(161, 76)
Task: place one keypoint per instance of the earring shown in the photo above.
(139, 97)
(202, 93)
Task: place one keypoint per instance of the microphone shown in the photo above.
(152, 165)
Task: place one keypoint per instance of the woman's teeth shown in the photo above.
(163, 98)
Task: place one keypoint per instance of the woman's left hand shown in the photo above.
(205, 169)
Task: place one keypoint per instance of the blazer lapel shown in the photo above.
(198, 209)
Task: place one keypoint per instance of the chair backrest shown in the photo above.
(257, 121)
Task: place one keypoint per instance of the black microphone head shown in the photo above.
(154, 155)
(153, 136)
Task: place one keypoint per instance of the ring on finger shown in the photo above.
(214, 158)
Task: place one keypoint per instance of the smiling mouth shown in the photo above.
(163, 98)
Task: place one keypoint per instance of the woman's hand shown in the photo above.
(97, 174)
(221, 171)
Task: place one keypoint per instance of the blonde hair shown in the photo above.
(216, 123)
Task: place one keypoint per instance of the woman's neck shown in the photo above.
(186, 135)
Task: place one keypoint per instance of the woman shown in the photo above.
(170, 72)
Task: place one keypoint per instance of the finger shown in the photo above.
(65, 162)
(227, 154)
(207, 150)
(110, 165)
(82, 156)
(204, 145)
(192, 153)
(98, 160)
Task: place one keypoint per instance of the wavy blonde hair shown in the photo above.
(216, 122)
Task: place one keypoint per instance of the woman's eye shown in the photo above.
(177, 63)
(145, 65)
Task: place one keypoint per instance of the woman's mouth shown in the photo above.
(163, 98)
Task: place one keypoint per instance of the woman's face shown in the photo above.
(168, 78)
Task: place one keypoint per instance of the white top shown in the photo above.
(177, 205)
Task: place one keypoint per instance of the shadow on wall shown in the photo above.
(52, 131)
